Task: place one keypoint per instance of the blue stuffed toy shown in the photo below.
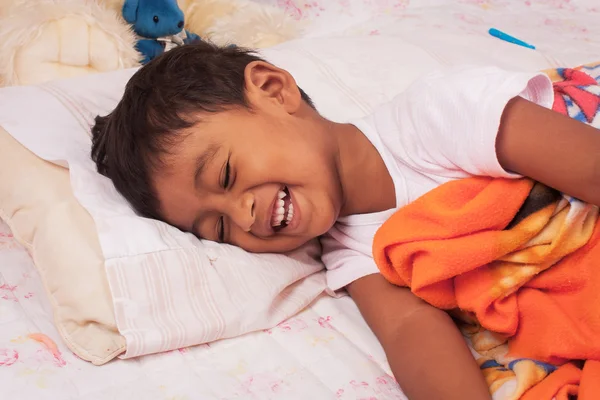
(159, 23)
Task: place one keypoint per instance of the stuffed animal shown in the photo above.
(46, 40)
(43, 40)
(159, 24)
(247, 23)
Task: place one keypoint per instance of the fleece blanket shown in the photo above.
(518, 265)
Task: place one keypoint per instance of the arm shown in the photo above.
(426, 352)
(551, 148)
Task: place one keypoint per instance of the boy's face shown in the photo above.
(264, 179)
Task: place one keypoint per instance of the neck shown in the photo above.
(366, 183)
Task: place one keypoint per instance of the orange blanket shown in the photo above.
(517, 262)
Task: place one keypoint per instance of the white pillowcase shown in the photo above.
(169, 289)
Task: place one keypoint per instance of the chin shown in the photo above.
(325, 227)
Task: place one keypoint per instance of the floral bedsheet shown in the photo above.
(563, 29)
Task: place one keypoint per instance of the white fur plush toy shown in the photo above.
(240, 22)
(44, 40)
(50, 39)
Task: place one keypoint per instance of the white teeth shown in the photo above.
(290, 214)
(279, 212)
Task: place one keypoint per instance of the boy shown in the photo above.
(220, 143)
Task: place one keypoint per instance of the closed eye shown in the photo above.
(226, 176)
(225, 181)
(221, 230)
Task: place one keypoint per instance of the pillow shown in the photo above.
(37, 202)
(168, 289)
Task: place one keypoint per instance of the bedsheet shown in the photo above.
(327, 351)
(566, 31)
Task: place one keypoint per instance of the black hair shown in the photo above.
(156, 106)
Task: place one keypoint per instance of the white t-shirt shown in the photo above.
(443, 127)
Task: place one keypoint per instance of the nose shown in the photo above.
(180, 24)
(242, 213)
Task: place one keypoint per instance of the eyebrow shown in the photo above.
(203, 159)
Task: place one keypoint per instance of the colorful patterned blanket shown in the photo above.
(517, 264)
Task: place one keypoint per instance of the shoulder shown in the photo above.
(347, 253)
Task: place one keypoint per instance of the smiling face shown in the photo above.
(264, 179)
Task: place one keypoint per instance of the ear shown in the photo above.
(266, 82)
(130, 9)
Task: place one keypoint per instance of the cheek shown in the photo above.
(322, 208)
(178, 201)
(286, 147)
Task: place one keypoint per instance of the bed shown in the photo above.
(325, 352)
